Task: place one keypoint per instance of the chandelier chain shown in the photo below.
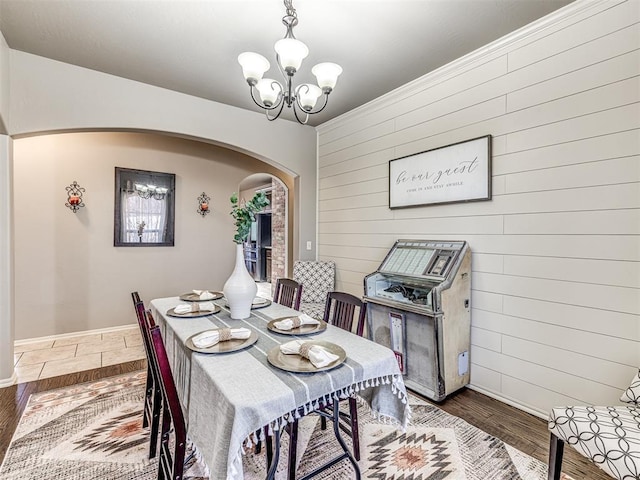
(291, 11)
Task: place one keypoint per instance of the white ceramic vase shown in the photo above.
(240, 289)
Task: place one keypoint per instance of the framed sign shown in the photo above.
(456, 173)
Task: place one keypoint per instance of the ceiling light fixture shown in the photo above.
(290, 52)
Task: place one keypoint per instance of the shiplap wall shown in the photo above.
(556, 252)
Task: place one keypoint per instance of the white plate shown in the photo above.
(301, 330)
(200, 313)
(229, 346)
(298, 364)
(194, 297)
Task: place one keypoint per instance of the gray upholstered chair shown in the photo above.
(608, 436)
(318, 279)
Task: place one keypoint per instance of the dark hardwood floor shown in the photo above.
(515, 427)
(519, 429)
(13, 399)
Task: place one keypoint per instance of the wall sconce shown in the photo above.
(74, 197)
(203, 204)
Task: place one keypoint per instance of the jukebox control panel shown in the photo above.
(412, 269)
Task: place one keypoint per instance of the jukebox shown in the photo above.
(418, 304)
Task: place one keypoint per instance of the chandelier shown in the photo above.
(272, 95)
(150, 191)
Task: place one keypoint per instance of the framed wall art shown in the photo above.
(460, 172)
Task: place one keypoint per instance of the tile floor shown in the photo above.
(37, 360)
(51, 358)
(264, 290)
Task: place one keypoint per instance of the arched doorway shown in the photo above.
(267, 250)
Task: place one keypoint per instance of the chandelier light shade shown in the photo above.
(253, 66)
(269, 91)
(308, 95)
(290, 53)
(271, 95)
(327, 74)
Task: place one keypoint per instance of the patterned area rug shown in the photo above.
(436, 446)
(94, 431)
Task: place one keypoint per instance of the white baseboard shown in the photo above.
(76, 334)
(510, 401)
(7, 382)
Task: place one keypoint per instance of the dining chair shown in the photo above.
(184, 461)
(348, 312)
(288, 293)
(152, 397)
(609, 436)
(318, 278)
(172, 454)
(345, 311)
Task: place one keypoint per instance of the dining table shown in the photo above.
(232, 399)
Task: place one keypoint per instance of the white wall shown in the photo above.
(68, 275)
(556, 252)
(49, 96)
(7, 375)
(6, 262)
(4, 85)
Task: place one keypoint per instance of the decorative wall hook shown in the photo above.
(203, 204)
(74, 197)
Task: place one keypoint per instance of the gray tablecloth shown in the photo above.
(227, 398)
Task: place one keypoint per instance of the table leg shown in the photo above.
(293, 450)
(274, 449)
(269, 445)
(335, 418)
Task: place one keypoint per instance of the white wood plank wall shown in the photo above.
(556, 252)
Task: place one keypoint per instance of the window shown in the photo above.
(144, 208)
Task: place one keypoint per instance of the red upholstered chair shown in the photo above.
(172, 454)
(152, 397)
(288, 293)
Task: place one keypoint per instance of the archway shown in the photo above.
(78, 277)
(268, 252)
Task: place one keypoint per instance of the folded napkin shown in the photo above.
(319, 356)
(295, 322)
(194, 307)
(210, 338)
(204, 294)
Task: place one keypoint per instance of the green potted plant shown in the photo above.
(240, 288)
(245, 215)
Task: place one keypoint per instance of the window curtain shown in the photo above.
(144, 219)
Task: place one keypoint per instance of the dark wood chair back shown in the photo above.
(288, 293)
(152, 398)
(172, 454)
(345, 311)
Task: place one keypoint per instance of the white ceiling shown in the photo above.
(192, 46)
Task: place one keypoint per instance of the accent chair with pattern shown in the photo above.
(608, 436)
(318, 279)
